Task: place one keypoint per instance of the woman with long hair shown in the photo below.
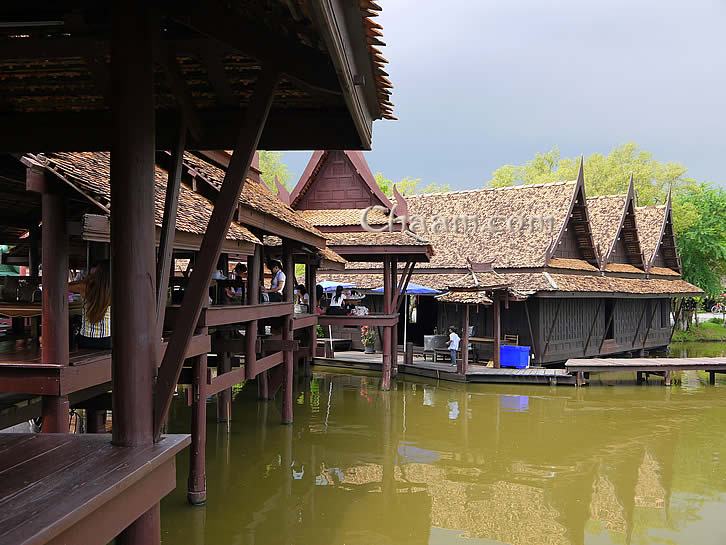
(337, 302)
(95, 290)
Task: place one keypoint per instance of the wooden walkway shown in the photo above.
(645, 366)
(444, 371)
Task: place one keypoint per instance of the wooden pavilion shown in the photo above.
(134, 78)
(575, 276)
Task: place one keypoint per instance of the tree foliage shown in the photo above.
(699, 219)
(271, 166)
(408, 186)
(699, 210)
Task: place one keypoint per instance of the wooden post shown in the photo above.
(133, 266)
(387, 295)
(497, 333)
(287, 332)
(224, 208)
(712, 377)
(464, 364)
(310, 277)
(224, 398)
(395, 310)
(95, 421)
(168, 227)
(55, 302)
(197, 483)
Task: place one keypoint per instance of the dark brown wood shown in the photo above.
(254, 276)
(497, 332)
(552, 327)
(224, 397)
(84, 489)
(95, 421)
(253, 218)
(168, 224)
(464, 363)
(607, 325)
(264, 363)
(224, 209)
(388, 310)
(132, 219)
(637, 328)
(287, 332)
(197, 483)
(374, 320)
(592, 327)
(55, 295)
(395, 299)
(224, 382)
(650, 322)
(168, 59)
(532, 339)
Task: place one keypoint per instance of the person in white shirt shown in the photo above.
(277, 284)
(453, 344)
(337, 302)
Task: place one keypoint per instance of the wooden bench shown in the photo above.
(61, 488)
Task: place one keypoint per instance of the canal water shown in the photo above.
(442, 463)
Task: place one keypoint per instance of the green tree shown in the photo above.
(699, 210)
(699, 218)
(408, 186)
(604, 174)
(272, 166)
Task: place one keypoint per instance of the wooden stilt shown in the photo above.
(224, 398)
(197, 483)
(287, 333)
(497, 333)
(395, 310)
(712, 377)
(55, 299)
(133, 266)
(387, 298)
(667, 378)
(464, 363)
(95, 421)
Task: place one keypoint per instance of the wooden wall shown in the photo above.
(337, 185)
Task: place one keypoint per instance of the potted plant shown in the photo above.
(368, 338)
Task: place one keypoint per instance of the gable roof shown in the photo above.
(650, 221)
(90, 173)
(315, 164)
(606, 217)
(613, 221)
(485, 236)
(255, 194)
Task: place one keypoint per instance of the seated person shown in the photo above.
(237, 294)
(337, 302)
(277, 284)
(302, 296)
(95, 291)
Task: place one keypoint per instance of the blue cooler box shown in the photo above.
(514, 356)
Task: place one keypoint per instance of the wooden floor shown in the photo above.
(64, 488)
(444, 371)
(601, 365)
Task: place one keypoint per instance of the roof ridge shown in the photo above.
(483, 189)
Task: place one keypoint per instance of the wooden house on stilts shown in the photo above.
(538, 265)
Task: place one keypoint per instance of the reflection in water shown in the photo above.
(445, 464)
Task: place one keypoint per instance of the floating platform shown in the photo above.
(444, 371)
(643, 367)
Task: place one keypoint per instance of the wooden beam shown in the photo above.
(212, 58)
(178, 85)
(168, 228)
(637, 329)
(532, 339)
(592, 327)
(552, 327)
(497, 333)
(287, 129)
(463, 366)
(650, 325)
(607, 326)
(224, 208)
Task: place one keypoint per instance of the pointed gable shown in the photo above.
(575, 239)
(615, 232)
(337, 180)
(655, 227)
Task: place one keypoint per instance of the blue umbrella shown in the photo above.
(412, 289)
(329, 286)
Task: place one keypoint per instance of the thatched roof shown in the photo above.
(650, 221)
(606, 214)
(90, 173)
(489, 238)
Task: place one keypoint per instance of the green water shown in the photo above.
(444, 463)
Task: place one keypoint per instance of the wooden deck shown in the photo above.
(643, 367)
(63, 488)
(444, 371)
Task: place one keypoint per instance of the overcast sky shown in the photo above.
(481, 83)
